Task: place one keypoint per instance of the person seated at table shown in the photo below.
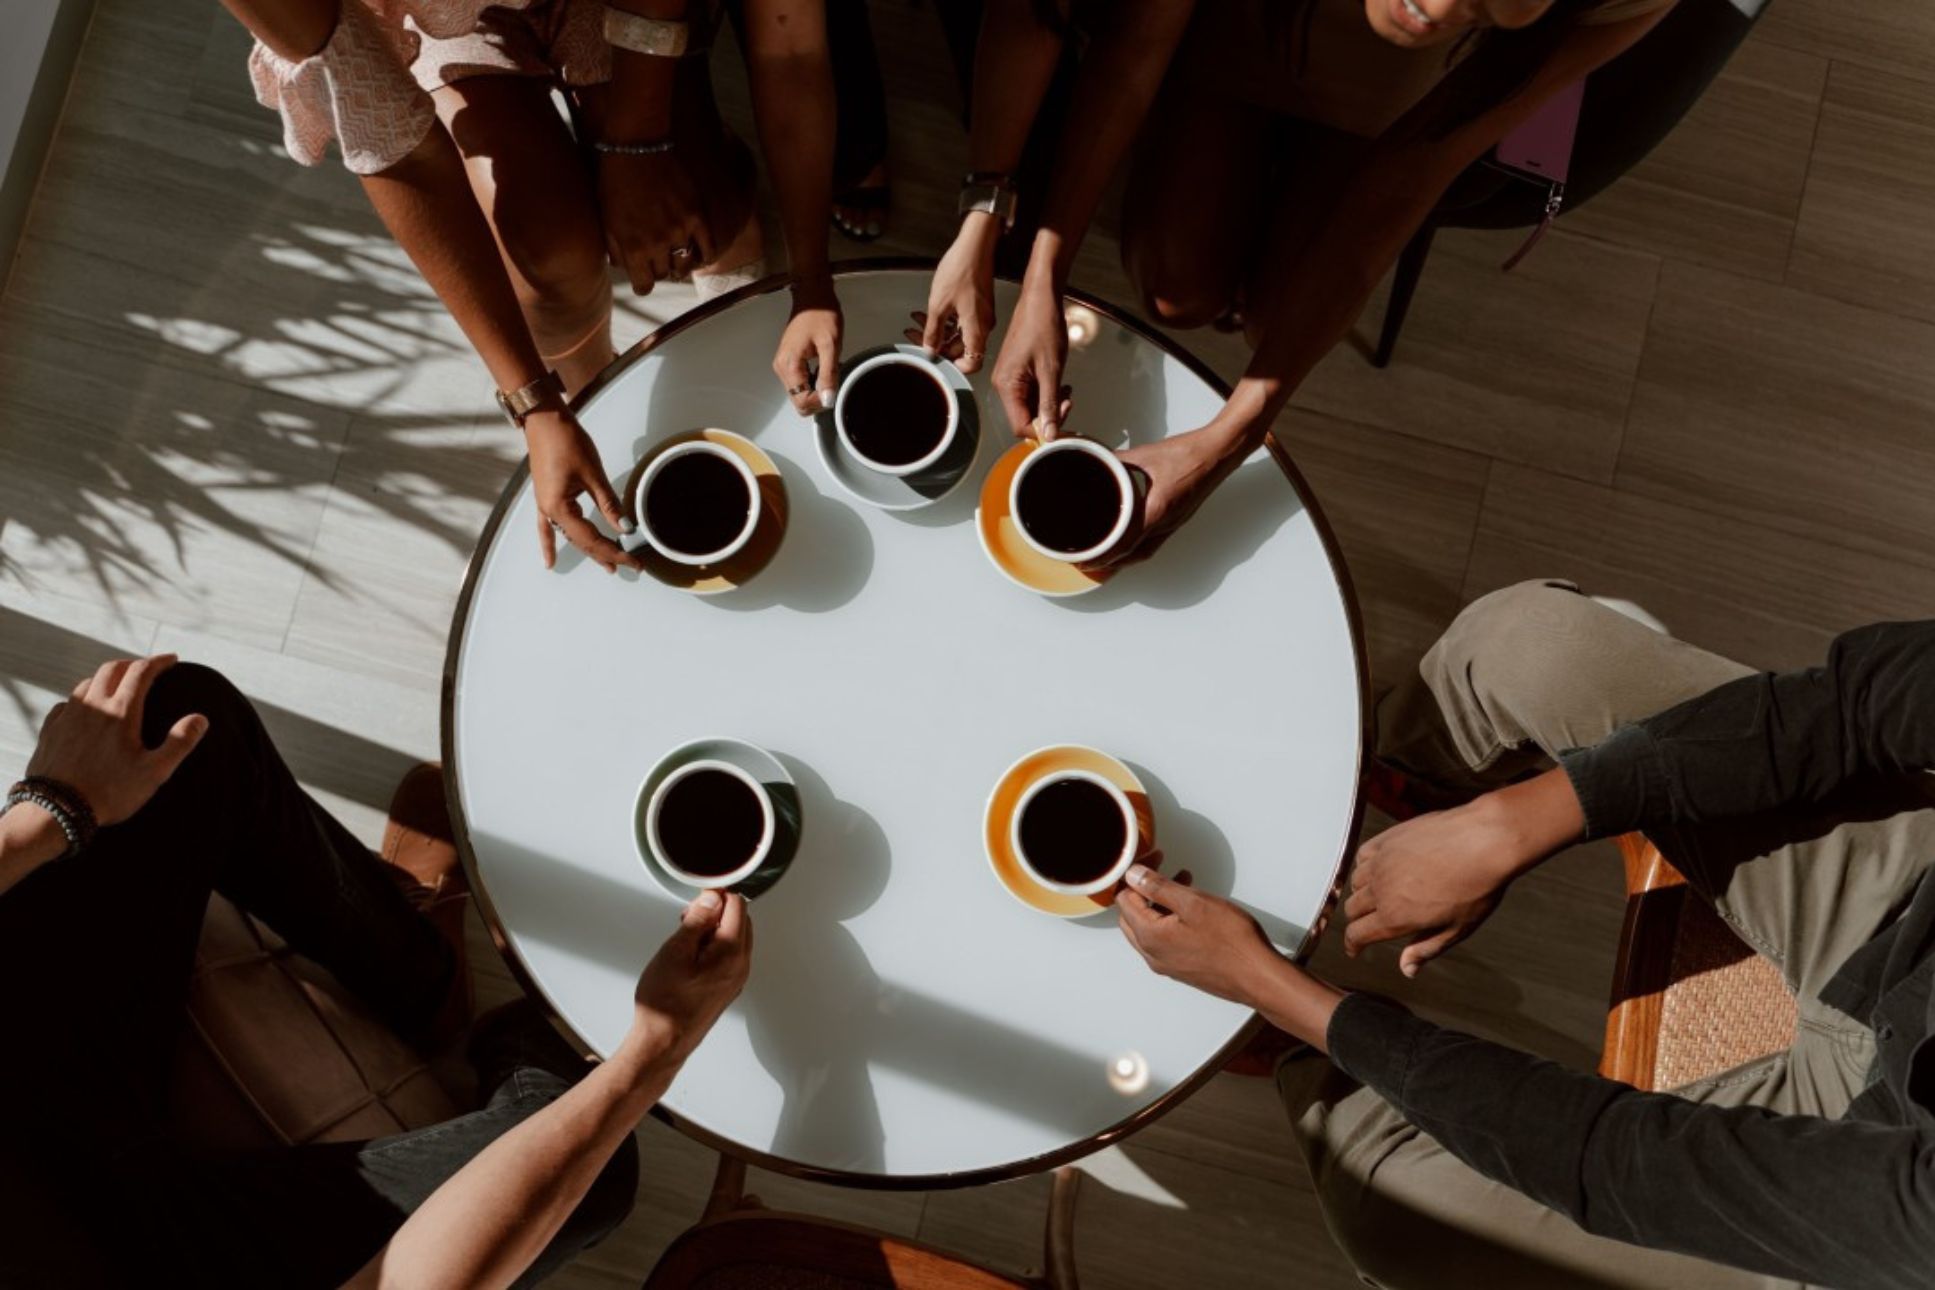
(1292, 152)
(444, 111)
(1795, 803)
(152, 785)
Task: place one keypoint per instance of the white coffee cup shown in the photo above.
(1125, 489)
(658, 541)
(739, 873)
(1131, 834)
(926, 367)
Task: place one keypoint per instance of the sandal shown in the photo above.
(872, 201)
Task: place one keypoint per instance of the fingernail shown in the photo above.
(930, 351)
(709, 900)
(1137, 875)
(1409, 969)
(826, 396)
(626, 526)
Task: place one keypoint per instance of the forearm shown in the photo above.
(1797, 1197)
(639, 104)
(485, 1225)
(426, 203)
(1118, 80)
(1294, 1001)
(1317, 294)
(792, 90)
(1014, 63)
(1771, 740)
(29, 838)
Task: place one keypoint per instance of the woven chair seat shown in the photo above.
(1690, 999)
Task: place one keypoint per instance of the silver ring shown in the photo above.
(681, 253)
(800, 389)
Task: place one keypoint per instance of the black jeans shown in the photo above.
(95, 955)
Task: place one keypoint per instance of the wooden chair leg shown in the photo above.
(1410, 267)
(1059, 1242)
(728, 1187)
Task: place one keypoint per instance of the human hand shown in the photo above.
(1434, 879)
(1180, 473)
(564, 463)
(654, 217)
(1028, 372)
(960, 299)
(699, 970)
(1199, 939)
(812, 335)
(91, 742)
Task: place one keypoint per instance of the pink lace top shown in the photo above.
(359, 89)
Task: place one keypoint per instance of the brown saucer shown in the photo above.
(739, 568)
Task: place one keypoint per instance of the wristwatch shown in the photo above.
(990, 191)
(545, 392)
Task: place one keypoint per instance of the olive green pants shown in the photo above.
(1522, 675)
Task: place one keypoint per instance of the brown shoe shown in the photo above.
(418, 840)
(418, 847)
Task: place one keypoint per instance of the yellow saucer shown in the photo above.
(1001, 809)
(711, 579)
(1009, 552)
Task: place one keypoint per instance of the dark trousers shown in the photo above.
(95, 957)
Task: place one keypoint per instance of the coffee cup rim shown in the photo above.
(657, 464)
(1130, 845)
(1124, 484)
(933, 372)
(760, 852)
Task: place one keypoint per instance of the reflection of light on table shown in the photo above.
(1082, 324)
(1129, 1074)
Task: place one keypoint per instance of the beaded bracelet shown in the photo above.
(632, 149)
(62, 801)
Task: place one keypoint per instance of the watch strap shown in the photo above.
(991, 191)
(546, 391)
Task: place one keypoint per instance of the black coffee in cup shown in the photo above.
(1069, 501)
(895, 414)
(1072, 831)
(697, 503)
(710, 823)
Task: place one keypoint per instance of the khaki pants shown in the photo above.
(1522, 675)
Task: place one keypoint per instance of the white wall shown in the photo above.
(39, 41)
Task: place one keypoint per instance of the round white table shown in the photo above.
(908, 1021)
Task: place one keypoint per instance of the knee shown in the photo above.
(194, 688)
(1520, 623)
(1177, 286)
(557, 268)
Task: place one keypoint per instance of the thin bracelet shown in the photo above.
(632, 149)
(64, 803)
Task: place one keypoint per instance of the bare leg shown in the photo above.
(1191, 218)
(528, 177)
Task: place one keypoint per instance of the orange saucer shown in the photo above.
(1009, 552)
(739, 568)
(1001, 808)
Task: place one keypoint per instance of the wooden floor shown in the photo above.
(234, 424)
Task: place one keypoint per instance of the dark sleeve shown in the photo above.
(1831, 1202)
(1770, 740)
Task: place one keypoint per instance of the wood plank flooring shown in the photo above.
(233, 422)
